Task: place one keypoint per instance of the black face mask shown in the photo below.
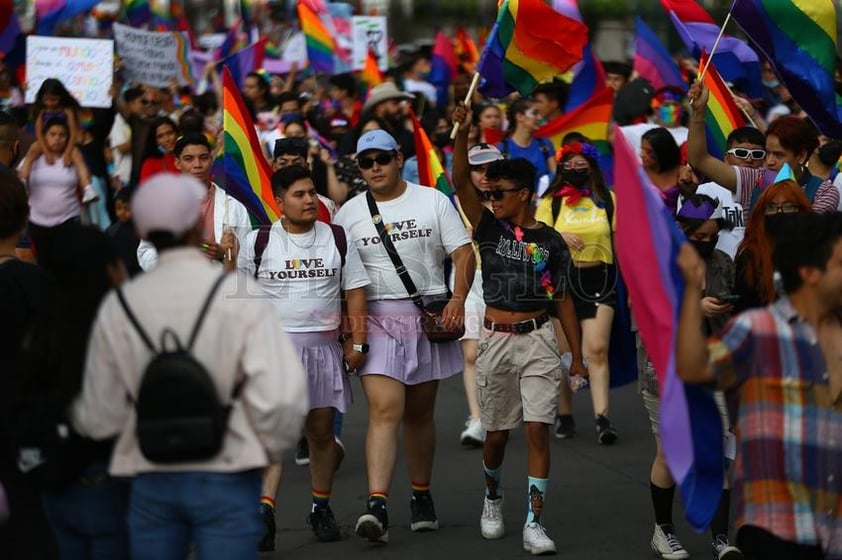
(578, 178)
(704, 248)
(777, 223)
(441, 139)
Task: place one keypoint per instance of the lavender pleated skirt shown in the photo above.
(399, 348)
(321, 355)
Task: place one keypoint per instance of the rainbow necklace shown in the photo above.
(537, 255)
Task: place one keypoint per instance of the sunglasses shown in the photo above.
(381, 160)
(496, 194)
(744, 153)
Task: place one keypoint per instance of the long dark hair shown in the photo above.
(53, 86)
(151, 149)
(597, 180)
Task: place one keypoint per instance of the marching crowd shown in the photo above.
(130, 430)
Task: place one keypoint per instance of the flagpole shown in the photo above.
(715, 45)
(468, 97)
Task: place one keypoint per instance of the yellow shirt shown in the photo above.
(586, 220)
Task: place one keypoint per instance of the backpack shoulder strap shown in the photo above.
(609, 211)
(341, 241)
(133, 319)
(260, 243)
(204, 311)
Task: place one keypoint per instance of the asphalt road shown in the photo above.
(597, 504)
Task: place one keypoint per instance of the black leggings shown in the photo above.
(759, 544)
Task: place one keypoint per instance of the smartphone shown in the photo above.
(731, 299)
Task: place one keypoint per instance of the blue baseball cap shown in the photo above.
(377, 140)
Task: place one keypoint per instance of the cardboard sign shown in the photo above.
(84, 66)
(154, 57)
(369, 32)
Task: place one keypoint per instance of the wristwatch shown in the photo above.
(362, 348)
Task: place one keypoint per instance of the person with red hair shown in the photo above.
(789, 140)
(775, 207)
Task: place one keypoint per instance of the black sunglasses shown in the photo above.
(381, 160)
(496, 194)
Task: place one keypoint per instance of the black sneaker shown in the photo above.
(605, 432)
(267, 541)
(423, 513)
(373, 525)
(324, 524)
(565, 426)
(302, 452)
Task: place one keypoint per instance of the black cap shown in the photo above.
(293, 146)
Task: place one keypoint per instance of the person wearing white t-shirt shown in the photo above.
(304, 267)
(400, 377)
(667, 111)
(120, 138)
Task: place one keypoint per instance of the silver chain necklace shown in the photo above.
(292, 239)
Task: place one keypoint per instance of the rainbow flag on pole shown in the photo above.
(431, 173)
(530, 43)
(370, 75)
(723, 115)
(246, 173)
(320, 43)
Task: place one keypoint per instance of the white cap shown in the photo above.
(167, 202)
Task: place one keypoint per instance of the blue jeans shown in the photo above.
(214, 511)
(88, 518)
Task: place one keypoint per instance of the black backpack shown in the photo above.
(179, 414)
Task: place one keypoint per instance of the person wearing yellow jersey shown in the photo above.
(578, 205)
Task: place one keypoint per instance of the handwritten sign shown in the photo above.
(153, 57)
(84, 66)
(369, 32)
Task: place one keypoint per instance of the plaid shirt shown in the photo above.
(826, 201)
(789, 460)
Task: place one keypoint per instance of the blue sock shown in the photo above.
(536, 496)
(338, 419)
(493, 482)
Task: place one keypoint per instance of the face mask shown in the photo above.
(441, 139)
(576, 177)
(669, 115)
(771, 83)
(289, 117)
(704, 248)
(777, 223)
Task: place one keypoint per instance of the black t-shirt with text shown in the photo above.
(521, 267)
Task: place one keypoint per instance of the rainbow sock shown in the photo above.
(374, 497)
(320, 499)
(420, 489)
(267, 501)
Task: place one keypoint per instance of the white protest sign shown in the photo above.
(369, 32)
(84, 66)
(295, 50)
(153, 57)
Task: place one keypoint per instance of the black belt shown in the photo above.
(521, 327)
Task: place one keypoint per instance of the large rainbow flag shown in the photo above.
(431, 173)
(320, 43)
(723, 116)
(530, 43)
(799, 39)
(647, 243)
(246, 173)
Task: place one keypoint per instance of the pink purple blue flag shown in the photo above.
(652, 60)
(245, 60)
(50, 13)
(647, 243)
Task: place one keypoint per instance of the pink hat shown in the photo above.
(167, 202)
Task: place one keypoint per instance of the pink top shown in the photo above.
(53, 193)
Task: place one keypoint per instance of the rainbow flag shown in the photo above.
(799, 39)
(652, 60)
(320, 44)
(49, 13)
(137, 13)
(431, 173)
(9, 27)
(647, 243)
(443, 68)
(246, 175)
(735, 60)
(723, 115)
(530, 43)
(465, 49)
(370, 75)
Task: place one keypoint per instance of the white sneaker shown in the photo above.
(89, 194)
(491, 522)
(473, 435)
(536, 541)
(666, 545)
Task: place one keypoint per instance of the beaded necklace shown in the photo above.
(537, 255)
